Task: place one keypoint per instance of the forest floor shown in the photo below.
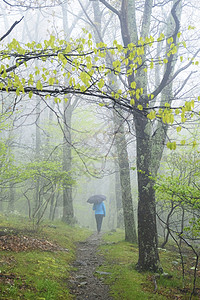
(86, 281)
(63, 262)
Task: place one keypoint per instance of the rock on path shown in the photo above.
(84, 284)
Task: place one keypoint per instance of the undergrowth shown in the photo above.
(126, 283)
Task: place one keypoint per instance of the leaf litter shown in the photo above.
(17, 242)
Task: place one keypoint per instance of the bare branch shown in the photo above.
(184, 83)
(85, 12)
(111, 8)
(170, 60)
(183, 68)
(11, 28)
(30, 5)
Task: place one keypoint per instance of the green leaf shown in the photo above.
(171, 145)
(30, 94)
(133, 85)
(57, 100)
(140, 107)
(101, 83)
(39, 85)
(183, 142)
(51, 80)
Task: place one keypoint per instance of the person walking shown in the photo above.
(100, 212)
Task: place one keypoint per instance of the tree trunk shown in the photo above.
(37, 158)
(51, 207)
(149, 153)
(122, 153)
(118, 196)
(54, 209)
(68, 211)
(147, 230)
(11, 203)
(124, 171)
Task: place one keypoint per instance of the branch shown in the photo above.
(11, 28)
(196, 264)
(183, 68)
(184, 83)
(111, 8)
(169, 67)
(30, 6)
(96, 28)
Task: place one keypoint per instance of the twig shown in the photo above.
(155, 283)
(11, 28)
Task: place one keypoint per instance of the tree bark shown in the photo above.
(122, 153)
(68, 211)
(124, 171)
(118, 196)
(147, 230)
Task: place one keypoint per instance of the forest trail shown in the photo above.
(84, 284)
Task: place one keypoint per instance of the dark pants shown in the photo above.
(99, 219)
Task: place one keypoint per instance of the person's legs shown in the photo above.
(99, 219)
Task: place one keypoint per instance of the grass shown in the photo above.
(126, 283)
(38, 274)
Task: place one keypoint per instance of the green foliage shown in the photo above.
(24, 176)
(47, 170)
(8, 170)
(179, 188)
(84, 66)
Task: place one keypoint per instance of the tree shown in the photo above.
(120, 143)
(76, 61)
(178, 191)
(52, 179)
(148, 151)
(68, 210)
(68, 108)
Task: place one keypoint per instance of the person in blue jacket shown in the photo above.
(100, 212)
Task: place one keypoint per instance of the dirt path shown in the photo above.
(84, 283)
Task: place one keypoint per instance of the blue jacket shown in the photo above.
(99, 208)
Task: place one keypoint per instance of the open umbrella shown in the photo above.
(96, 199)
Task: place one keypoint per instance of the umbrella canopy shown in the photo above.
(96, 199)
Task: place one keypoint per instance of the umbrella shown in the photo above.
(96, 199)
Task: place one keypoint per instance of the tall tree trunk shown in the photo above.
(37, 157)
(124, 171)
(11, 203)
(51, 207)
(55, 207)
(68, 211)
(118, 196)
(122, 153)
(147, 230)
